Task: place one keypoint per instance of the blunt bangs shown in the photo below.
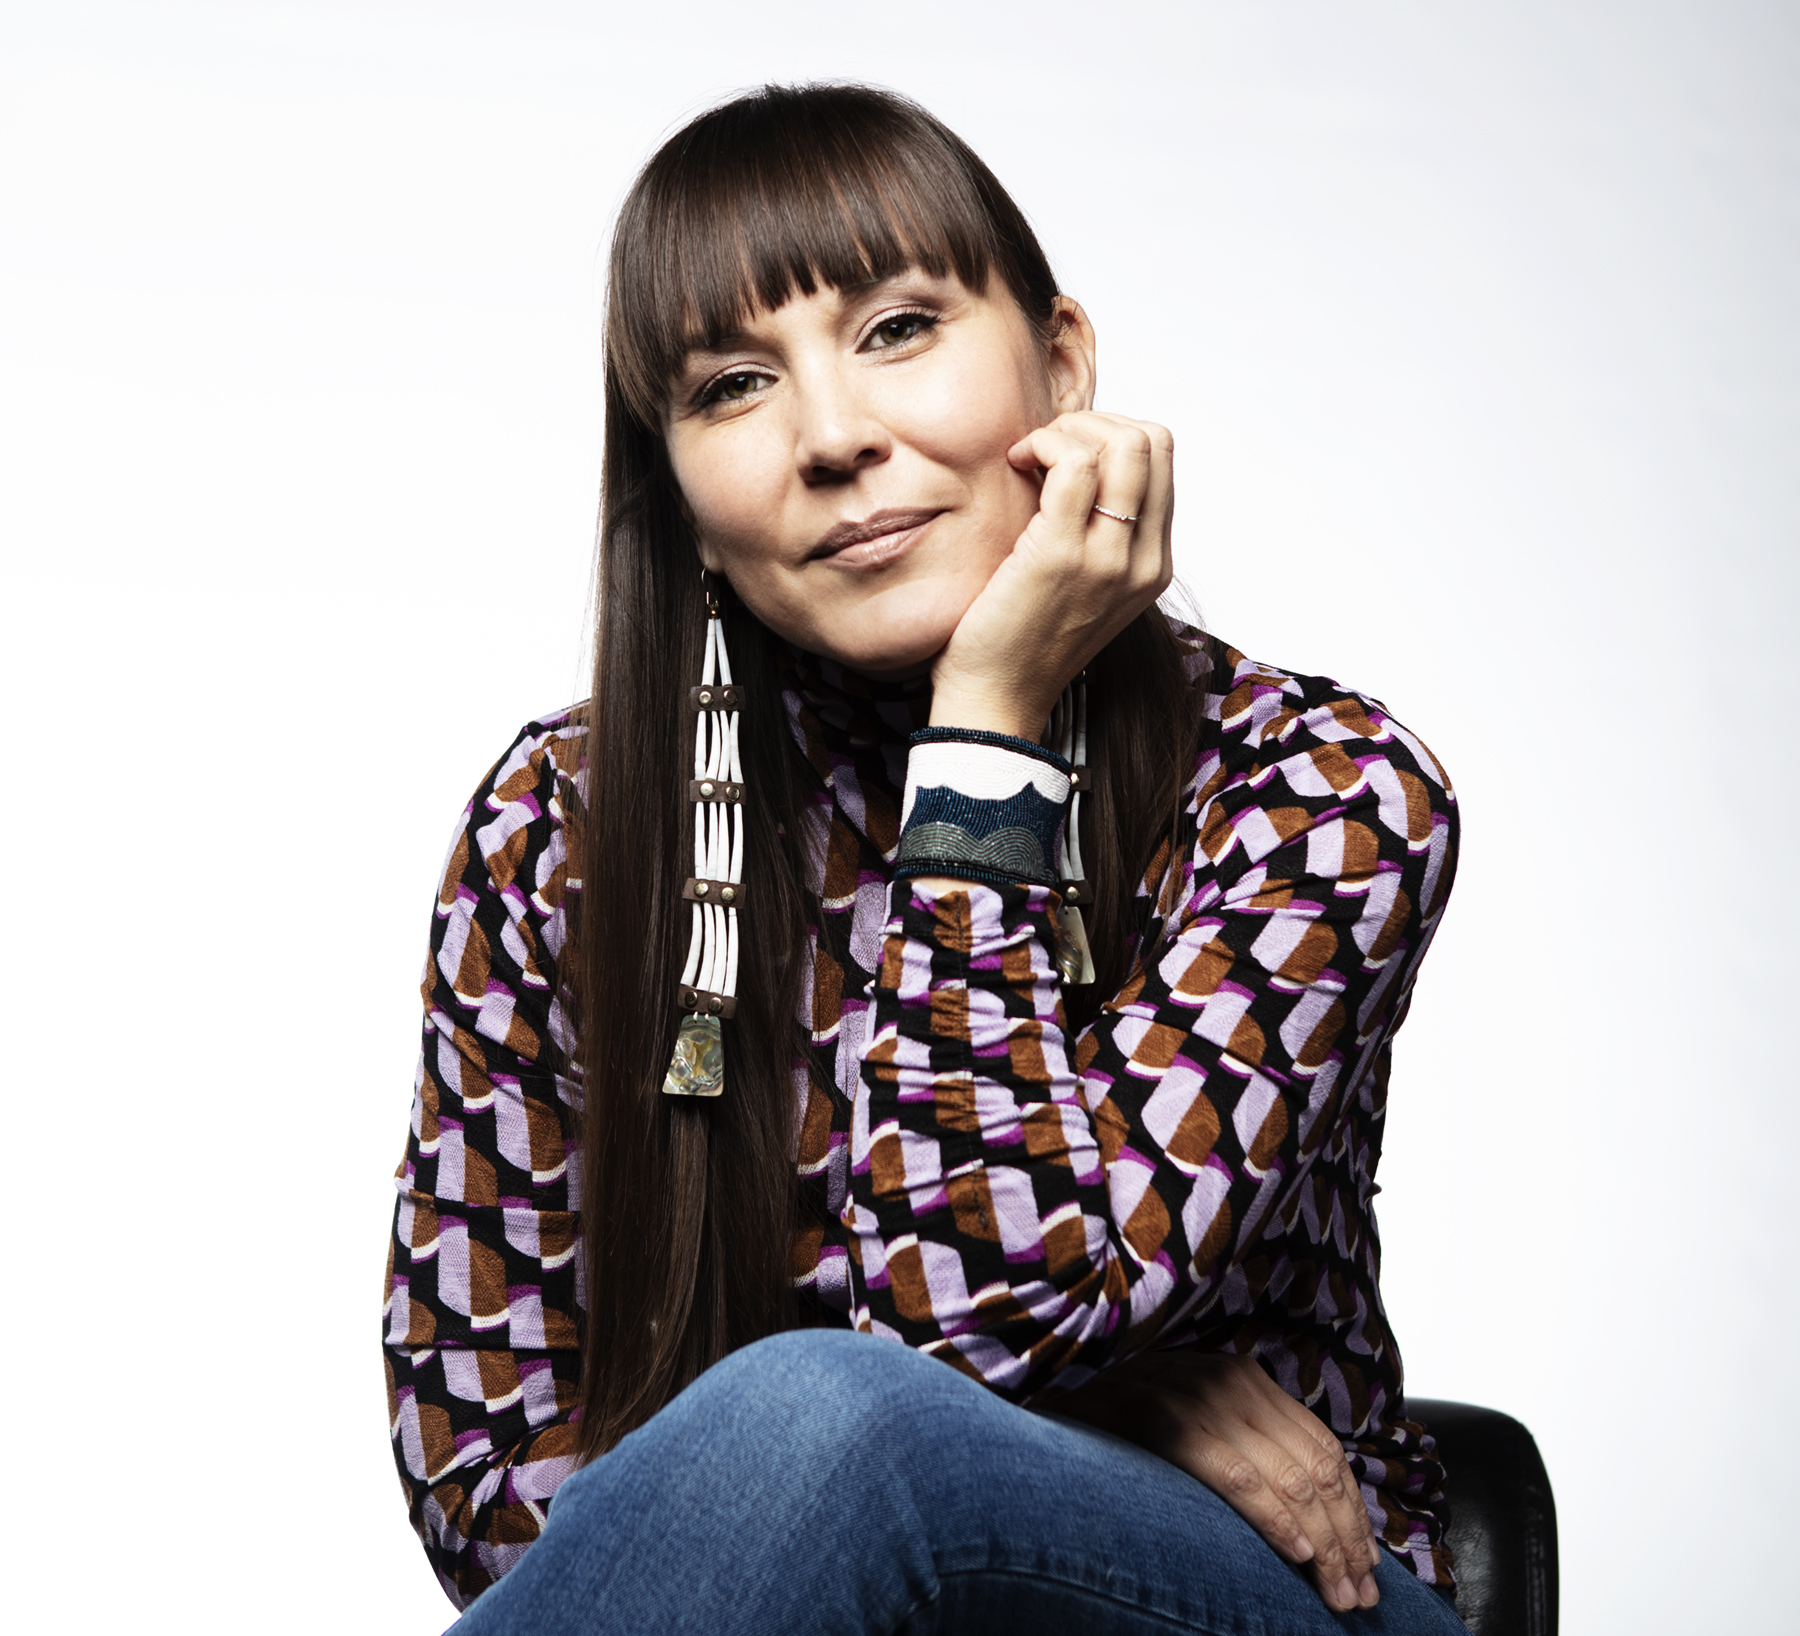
(784, 191)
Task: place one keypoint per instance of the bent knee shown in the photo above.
(831, 1379)
(825, 1396)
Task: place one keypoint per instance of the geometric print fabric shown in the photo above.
(1195, 1168)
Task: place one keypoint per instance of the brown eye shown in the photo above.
(898, 330)
(735, 387)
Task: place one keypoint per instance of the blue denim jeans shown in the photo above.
(828, 1482)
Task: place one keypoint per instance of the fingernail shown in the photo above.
(1346, 1592)
(1370, 1596)
(1303, 1549)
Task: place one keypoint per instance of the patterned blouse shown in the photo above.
(1196, 1167)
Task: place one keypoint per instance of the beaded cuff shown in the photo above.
(982, 806)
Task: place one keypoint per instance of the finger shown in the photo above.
(1135, 1406)
(1236, 1480)
(1337, 1563)
(1120, 428)
(1091, 461)
(1319, 1487)
(1071, 467)
(1087, 425)
(1211, 1433)
(1321, 1451)
(1158, 506)
(1306, 1466)
(1044, 444)
(1307, 1441)
(1147, 497)
(1118, 451)
(1127, 461)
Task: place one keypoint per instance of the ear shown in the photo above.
(710, 559)
(1071, 357)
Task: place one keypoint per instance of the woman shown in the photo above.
(1107, 1179)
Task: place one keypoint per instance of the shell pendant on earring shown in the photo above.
(1074, 958)
(698, 1066)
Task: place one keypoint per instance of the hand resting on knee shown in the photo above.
(1221, 1419)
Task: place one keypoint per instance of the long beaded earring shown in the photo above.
(708, 987)
(1068, 732)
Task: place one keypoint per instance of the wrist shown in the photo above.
(988, 710)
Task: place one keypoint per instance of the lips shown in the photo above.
(879, 536)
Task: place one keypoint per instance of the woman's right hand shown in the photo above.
(1221, 1419)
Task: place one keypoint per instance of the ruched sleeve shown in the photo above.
(1029, 1205)
(481, 1340)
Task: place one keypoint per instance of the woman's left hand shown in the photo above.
(1221, 1419)
(1075, 579)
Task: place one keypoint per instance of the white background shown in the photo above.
(1477, 329)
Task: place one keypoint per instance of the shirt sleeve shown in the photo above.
(1030, 1206)
(481, 1340)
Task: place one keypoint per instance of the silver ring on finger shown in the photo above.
(1117, 516)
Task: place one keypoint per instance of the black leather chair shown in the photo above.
(1502, 1518)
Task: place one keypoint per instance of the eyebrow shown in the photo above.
(725, 341)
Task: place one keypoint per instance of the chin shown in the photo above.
(890, 667)
(886, 659)
(899, 640)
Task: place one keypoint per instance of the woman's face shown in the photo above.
(843, 458)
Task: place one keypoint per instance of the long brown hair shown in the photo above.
(688, 1206)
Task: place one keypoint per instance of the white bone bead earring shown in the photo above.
(707, 991)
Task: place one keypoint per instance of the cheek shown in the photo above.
(972, 416)
(967, 424)
(730, 496)
(967, 416)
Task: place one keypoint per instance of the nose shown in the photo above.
(837, 433)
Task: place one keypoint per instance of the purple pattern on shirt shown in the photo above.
(1195, 1168)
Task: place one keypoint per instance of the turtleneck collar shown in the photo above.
(825, 683)
(853, 708)
(854, 730)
